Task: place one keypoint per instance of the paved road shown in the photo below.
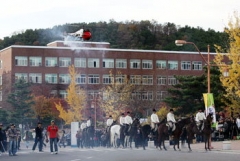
(111, 154)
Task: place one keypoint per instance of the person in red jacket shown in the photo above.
(53, 136)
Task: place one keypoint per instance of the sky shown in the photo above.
(19, 15)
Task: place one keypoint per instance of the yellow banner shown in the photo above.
(209, 105)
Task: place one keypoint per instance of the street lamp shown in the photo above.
(182, 42)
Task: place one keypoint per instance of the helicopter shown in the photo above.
(81, 34)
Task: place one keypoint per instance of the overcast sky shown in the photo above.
(19, 15)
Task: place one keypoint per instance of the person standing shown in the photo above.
(2, 149)
(53, 136)
(154, 121)
(170, 121)
(238, 123)
(79, 139)
(89, 122)
(38, 137)
(12, 136)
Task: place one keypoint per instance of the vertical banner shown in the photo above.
(209, 105)
(74, 129)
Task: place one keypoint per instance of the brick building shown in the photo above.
(48, 65)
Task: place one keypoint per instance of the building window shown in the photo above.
(147, 80)
(51, 62)
(136, 96)
(135, 79)
(120, 79)
(0, 95)
(64, 78)
(64, 61)
(21, 61)
(161, 80)
(93, 79)
(135, 64)
(146, 95)
(173, 65)
(80, 62)
(0, 80)
(21, 76)
(63, 94)
(121, 63)
(161, 64)
(185, 65)
(107, 79)
(147, 64)
(35, 77)
(51, 78)
(108, 63)
(35, 61)
(172, 80)
(161, 95)
(81, 79)
(197, 65)
(93, 63)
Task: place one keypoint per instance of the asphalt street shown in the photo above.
(113, 154)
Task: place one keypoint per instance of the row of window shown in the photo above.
(35, 61)
(95, 79)
(144, 95)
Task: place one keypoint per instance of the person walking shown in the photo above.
(12, 136)
(154, 121)
(38, 137)
(53, 136)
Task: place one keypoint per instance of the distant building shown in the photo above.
(47, 67)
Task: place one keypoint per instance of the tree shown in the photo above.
(76, 99)
(21, 100)
(231, 83)
(116, 96)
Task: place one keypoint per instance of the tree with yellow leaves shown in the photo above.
(116, 96)
(232, 81)
(76, 99)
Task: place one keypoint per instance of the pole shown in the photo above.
(95, 124)
(208, 69)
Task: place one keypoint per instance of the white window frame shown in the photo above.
(147, 95)
(173, 65)
(120, 79)
(51, 78)
(80, 62)
(172, 80)
(35, 77)
(51, 61)
(161, 64)
(35, 61)
(64, 61)
(64, 78)
(1, 64)
(93, 79)
(21, 75)
(135, 63)
(63, 94)
(108, 63)
(21, 61)
(185, 65)
(0, 95)
(196, 65)
(107, 79)
(121, 63)
(161, 80)
(81, 78)
(147, 64)
(93, 63)
(136, 96)
(147, 80)
(135, 79)
(161, 95)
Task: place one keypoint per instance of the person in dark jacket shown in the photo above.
(38, 137)
(1, 139)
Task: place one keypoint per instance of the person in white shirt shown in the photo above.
(83, 126)
(89, 122)
(154, 120)
(171, 121)
(128, 122)
(238, 123)
(122, 120)
(109, 123)
(200, 117)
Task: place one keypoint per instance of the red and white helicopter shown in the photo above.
(82, 35)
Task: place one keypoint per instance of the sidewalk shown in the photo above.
(218, 146)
